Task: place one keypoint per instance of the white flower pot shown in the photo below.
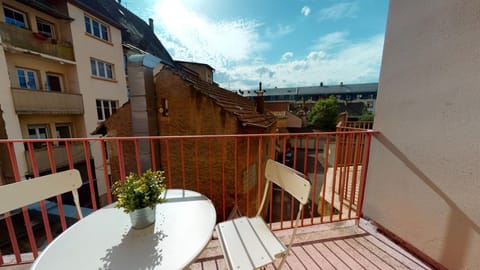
(143, 217)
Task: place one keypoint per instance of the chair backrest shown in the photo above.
(288, 179)
(26, 192)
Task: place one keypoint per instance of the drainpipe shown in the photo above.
(143, 103)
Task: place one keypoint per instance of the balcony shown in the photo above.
(27, 40)
(229, 170)
(46, 102)
(60, 154)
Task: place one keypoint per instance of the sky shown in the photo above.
(282, 43)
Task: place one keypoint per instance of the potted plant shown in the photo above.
(138, 195)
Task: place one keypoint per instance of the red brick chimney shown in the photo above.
(260, 101)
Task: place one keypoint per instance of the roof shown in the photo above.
(316, 90)
(194, 63)
(49, 7)
(243, 108)
(135, 31)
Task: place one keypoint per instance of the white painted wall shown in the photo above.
(424, 173)
(91, 88)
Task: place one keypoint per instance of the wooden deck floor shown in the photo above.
(340, 245)
(332, 246)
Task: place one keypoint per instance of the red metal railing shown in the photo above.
(227, 168)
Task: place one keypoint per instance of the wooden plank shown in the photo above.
(270, 242)
(304, 258)
(398, 253)
(256, 250)
(319, 258)
(366, 253)
(331, 257)
(386, 257)
(342, 255)
(359, 258)
(232, 246)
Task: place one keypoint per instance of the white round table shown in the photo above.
(105, 239)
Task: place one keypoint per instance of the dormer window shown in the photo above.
(96, 28)
(15, 17)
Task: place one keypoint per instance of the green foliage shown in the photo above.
(366, 115)
(324, 114)
(138, 192)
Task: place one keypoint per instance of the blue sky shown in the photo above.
(283, 43)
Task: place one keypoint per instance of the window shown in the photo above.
(45, 28)
(27, 78)
(105, 108)
(38, 132)
(96, 28)
(101, 69)
(63, 131)
(54, 82)
(15, 17)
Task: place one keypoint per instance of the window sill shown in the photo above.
(99, 39)
(103, 79)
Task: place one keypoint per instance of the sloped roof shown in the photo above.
(317, 90)
(135, 31)
(243, 108)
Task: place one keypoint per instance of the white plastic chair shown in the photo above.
(30, 191)
(248, 243)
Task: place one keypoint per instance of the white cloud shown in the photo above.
(338, 11)
(305, 11)
(189, 36)
(331, 40)
(356, 62)
(235, 49)
(280, 31)
(286, 56)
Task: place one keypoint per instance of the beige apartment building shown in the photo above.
(62, 72)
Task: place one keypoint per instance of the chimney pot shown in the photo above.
(260, 100)
(150, 23)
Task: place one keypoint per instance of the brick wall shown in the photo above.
(193, 113)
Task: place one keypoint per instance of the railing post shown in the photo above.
(364, 175)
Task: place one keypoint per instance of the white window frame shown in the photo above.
(37, 127)
(102, 69)
(50, 34)
(68, 126)
(103, 29)
(105, 107)
(26, 72)
(60, 78)
(16, 11)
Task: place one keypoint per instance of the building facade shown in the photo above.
(423, 180)
(63, 71)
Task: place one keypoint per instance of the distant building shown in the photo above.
(279, 99)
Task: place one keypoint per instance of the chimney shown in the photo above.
(260, 101)
(150, 23)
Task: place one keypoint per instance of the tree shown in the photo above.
(324, 114)
(366, 115)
